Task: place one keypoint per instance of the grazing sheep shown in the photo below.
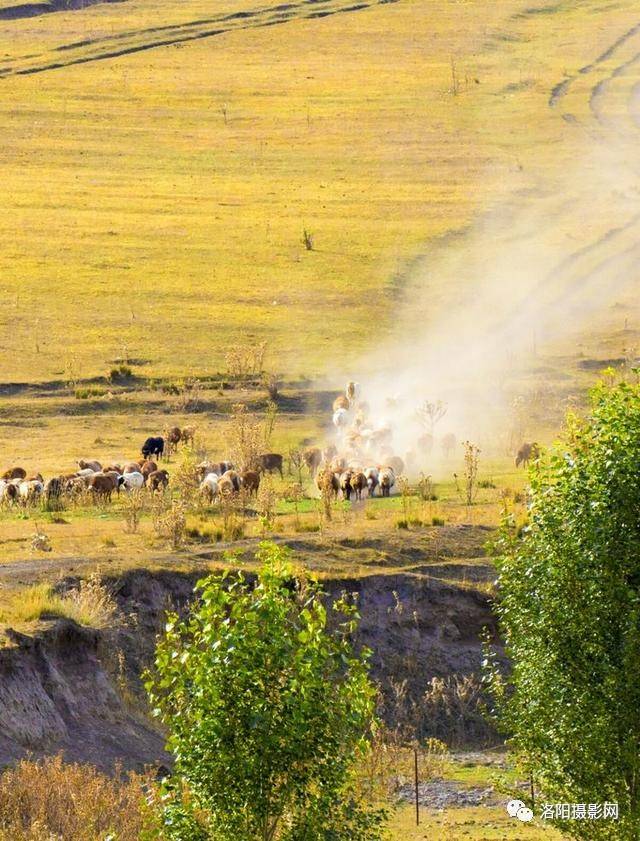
(448, 444)
(526, 453)
(233, 477)
(8, 491)
(95, 466)
(188, 435)
(86, 473)
(250, 481)
(327, 479)
(371, 475)
(341, 402)
(132, 481)
(387, 479)
(312, 458)
(103, 485)
(174, 436)
(340, 418)
(204, 468)
(29, 490)
(338, 464)
(53, 489)
(225, 486)
(268, 462)
(358, 483)
(153, 447)
(158, 479)
(148, 468)
(223, 466)
(15, 473)
(396, 464)
(112, 468)
(209, 486)
(425, 443)
(345, 484)
(133, 467)
(352, 391)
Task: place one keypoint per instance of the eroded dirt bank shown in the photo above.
(79, 690)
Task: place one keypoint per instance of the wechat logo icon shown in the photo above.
(517, 809)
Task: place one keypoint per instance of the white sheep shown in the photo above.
(30, 489)
(340, 418)
(209, 485)
(132, 481)
(387, 479)
(371, 475)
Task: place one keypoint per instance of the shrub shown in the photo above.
(569, 609)
(267, 709)
(121, 372)
(91, 604)
(51, 799)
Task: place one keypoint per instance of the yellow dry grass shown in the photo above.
(154, 203)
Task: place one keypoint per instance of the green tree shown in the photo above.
(268, 709)
(569, 607)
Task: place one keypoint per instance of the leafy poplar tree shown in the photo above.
(267, 708)
(569, 606)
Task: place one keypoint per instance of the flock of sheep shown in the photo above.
(362, 457)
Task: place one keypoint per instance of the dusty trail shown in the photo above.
(551, 263)
(135, 41)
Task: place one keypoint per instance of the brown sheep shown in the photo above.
(425, 443)
(148, 468)
(133, 467)
(233, 477)
(15, 473)
(103, 485)
(158, 479)
(358, 483)
(225, 486)
(188, 434)
(526, 452)
(250, 480)
(268, 462)
(341, 402)
(312, 458)
(112, 468)
(173, 436)
(326, 480)
(83, 464)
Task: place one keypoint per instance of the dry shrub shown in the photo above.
(172, 524)
(91, 604)
(232, 519)
(189, 396)
(134, 505)
(245, 360)
(51, 800)
(469, 488)
(245, 438)
(266, 503)
(452, 709)
(270, 383)
(185, 479)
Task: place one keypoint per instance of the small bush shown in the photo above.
(89, 391)
(122, 372)
(402, 524)
(486, 483)
(437, 521)
(51, 799)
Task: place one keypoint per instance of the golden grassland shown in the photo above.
(154, 203)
